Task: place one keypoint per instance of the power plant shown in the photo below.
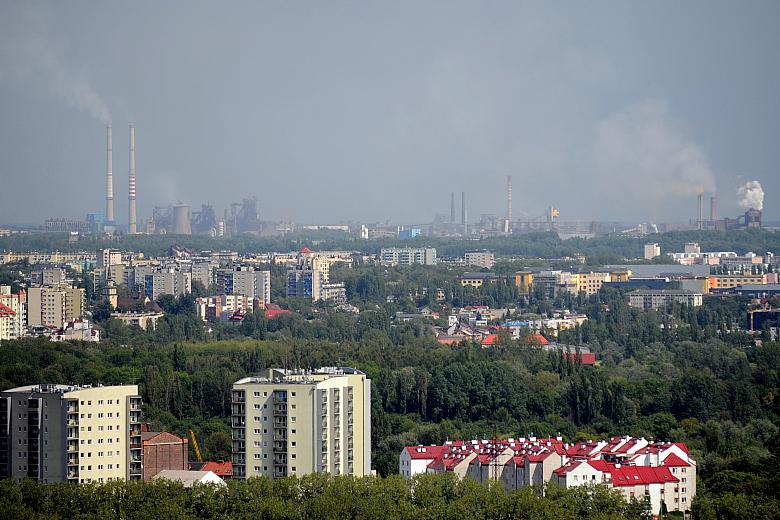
(181, 219)
(752, 200)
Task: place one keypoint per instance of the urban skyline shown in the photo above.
(384, 118)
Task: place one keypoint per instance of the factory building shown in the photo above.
(301, 422)
(60, 433)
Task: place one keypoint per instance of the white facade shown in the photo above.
(484, 259)
(408, 256)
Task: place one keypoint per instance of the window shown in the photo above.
(292, 431)
(292, 394)
(292, 456)
(257, 455)
(257, 394)
(294, 444)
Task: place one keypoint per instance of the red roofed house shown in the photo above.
(275, 313)
(223, 470)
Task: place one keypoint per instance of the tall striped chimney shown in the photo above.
(109, 177)
(131, 221)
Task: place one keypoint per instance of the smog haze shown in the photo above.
(369, 111)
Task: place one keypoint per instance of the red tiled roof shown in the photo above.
(221, 469)
(490, 339)
(275, 313)
(674, 460)
(306, 250)
(6, 311)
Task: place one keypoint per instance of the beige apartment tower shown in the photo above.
(61, 433)
(300, 422)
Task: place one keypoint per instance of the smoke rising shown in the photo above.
(29, 55)
(751, 195)
(641, 149)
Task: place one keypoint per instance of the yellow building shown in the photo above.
(524, 280)
(731, 281)
(589, 283)
(301, 422)
(61, 433)
(476, 280)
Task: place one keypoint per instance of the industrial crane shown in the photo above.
(195, 447)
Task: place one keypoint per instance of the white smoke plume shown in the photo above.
(751, 195)
(641, 149)
(30, 58)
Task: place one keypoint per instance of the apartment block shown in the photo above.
(484, 259)
(54, 306)
(652, 251)
(108, 257)
(408, 256)
(305, 283)
(47, 276)
(61, 433)
(13, 316)
(648, 299)
(302, 422)
(169, 280)
(214, 308)
(245, 280)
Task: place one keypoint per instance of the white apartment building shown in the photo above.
(302, 422)
(408, 256)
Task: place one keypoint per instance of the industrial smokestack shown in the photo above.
(463, 215)
(109, 177)
(508, 225)
(699, 222)
(713, 213)
(452, 208)
(131, 220)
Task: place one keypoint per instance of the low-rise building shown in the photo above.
(476, 280)
(142, 320)
(647, 299)
(483, 258)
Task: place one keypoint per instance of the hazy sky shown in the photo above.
(329, 111)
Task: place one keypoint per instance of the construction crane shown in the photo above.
(195, 446)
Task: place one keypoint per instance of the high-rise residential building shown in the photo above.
(305, 283)
(61, 433)
(301, 422)
(13, 316)
(47, 276)
(408, 255)
(108, 257)
(482, 258)
(652, 251)
(54, 306)
(168, 280)
(246, 281)
(204, 271)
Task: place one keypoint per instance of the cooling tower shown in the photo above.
(181, 220)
